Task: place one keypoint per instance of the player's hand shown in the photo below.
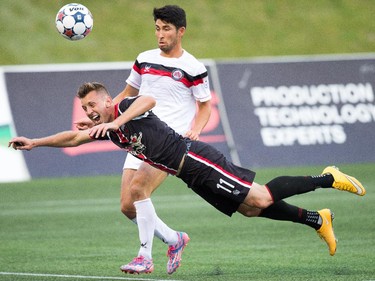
(84, 123)
(21, 143)
(102, 129)
(193, 135)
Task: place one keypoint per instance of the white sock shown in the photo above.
(163, 232)
(146, 218)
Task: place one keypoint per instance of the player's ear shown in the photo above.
(108, 102)
(181, 31)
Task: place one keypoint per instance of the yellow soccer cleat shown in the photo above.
(326, 230)
(345, 182)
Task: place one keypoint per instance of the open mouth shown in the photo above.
(95, 118)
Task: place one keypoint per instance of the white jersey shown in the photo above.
(175, 83)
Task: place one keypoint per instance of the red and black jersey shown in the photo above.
(205, 170)
(149, 139)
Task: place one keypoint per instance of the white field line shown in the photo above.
(81, 276)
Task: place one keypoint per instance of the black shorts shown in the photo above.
(217, 180)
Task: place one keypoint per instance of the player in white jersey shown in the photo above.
(175, 83)
(179, 83)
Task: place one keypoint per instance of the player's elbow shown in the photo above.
(151, 101)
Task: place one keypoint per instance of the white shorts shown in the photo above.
(132, 162)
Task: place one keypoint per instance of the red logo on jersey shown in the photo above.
(177, 74)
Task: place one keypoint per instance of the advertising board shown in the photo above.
(267, 112)
(301, 111)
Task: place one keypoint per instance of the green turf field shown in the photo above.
(62, 228)
(215, 29)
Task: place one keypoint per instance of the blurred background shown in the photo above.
(216, 29)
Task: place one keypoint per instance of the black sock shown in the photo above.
(324, 181)
(285, 186)
(286, 212)
(283, 211)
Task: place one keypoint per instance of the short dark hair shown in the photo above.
(87, 87)
(171, 14)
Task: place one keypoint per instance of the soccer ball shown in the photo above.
(74, 21)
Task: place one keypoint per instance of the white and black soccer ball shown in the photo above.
(74, 21)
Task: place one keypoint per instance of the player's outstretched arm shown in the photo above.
(62, 139)
(141, 105)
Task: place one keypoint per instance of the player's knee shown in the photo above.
(258, 202)
(261, 203)
(137, 191)
(129, 213)
(259, 197)
(127, 208)
(250, 213)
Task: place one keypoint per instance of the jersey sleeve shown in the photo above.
(134, 78)
(201, 87)
(124, 105)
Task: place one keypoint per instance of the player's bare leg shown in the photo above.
(249, 211)
(137, 187)
(126, 201)
(258, 197)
